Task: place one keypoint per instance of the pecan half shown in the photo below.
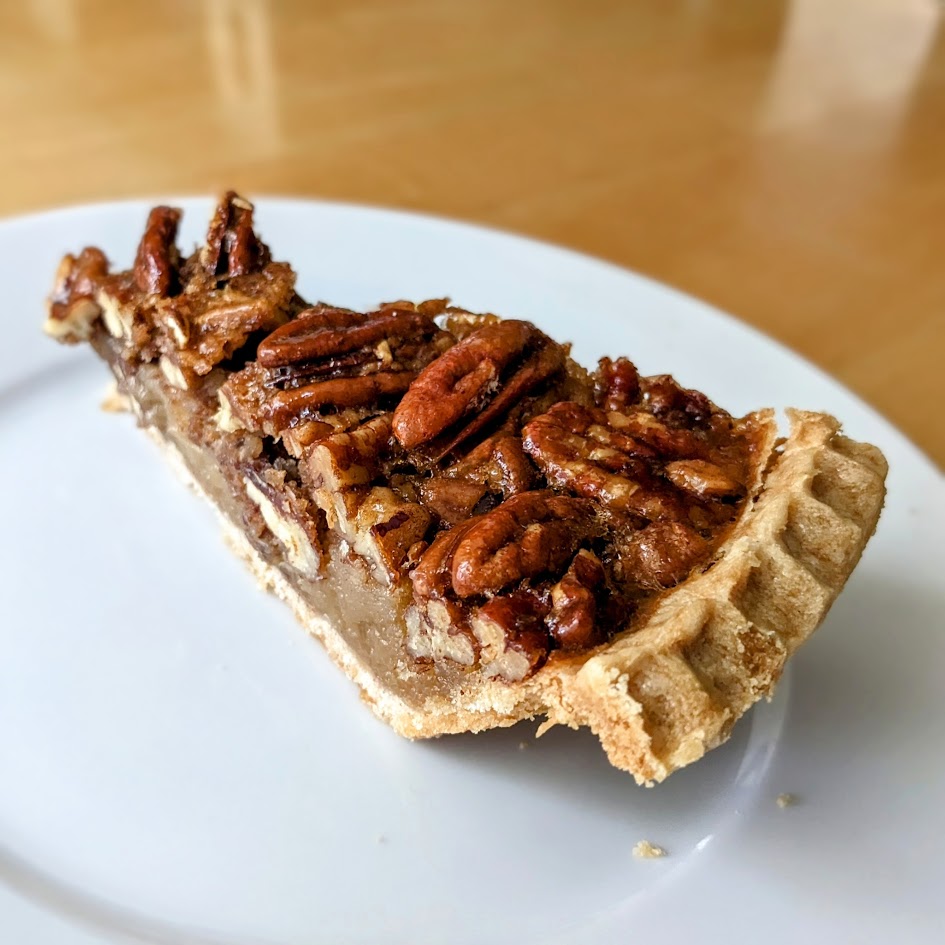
(300, 438)
(530, 534)
(289, 518)
(660, 555)
(616, 383)
(666, 397)
(668, 441)
(573, 621)
(362, 391)
(79, 277)
(513, 641)
(334, 332)
(350, 457)
(477, 381)
(500, 462)
(496, 469)
(437, 632)
(330, 357)
(72, 306)
(232, 248)
(158, 259)
(703, 479)
(451, 500)
(433, 576)
(381, 525)
(386, 528)
(578, 449)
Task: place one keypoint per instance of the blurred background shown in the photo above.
(782, 159)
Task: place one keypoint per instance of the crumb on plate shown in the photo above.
(648, 851)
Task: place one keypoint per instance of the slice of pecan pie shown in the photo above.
(478, 529)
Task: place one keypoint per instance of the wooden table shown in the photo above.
(783, 160)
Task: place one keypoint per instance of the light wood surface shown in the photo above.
(782, 160)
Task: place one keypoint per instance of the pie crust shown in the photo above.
(658, 691)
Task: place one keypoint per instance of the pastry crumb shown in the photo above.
(645, 850)
(785, 800)
(522, 746)
(113, 401)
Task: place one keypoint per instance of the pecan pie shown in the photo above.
(478, 529)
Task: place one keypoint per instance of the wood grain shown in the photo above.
(783, 160)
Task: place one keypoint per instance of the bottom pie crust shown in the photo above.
(658, 695)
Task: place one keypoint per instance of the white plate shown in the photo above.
(180, 763)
